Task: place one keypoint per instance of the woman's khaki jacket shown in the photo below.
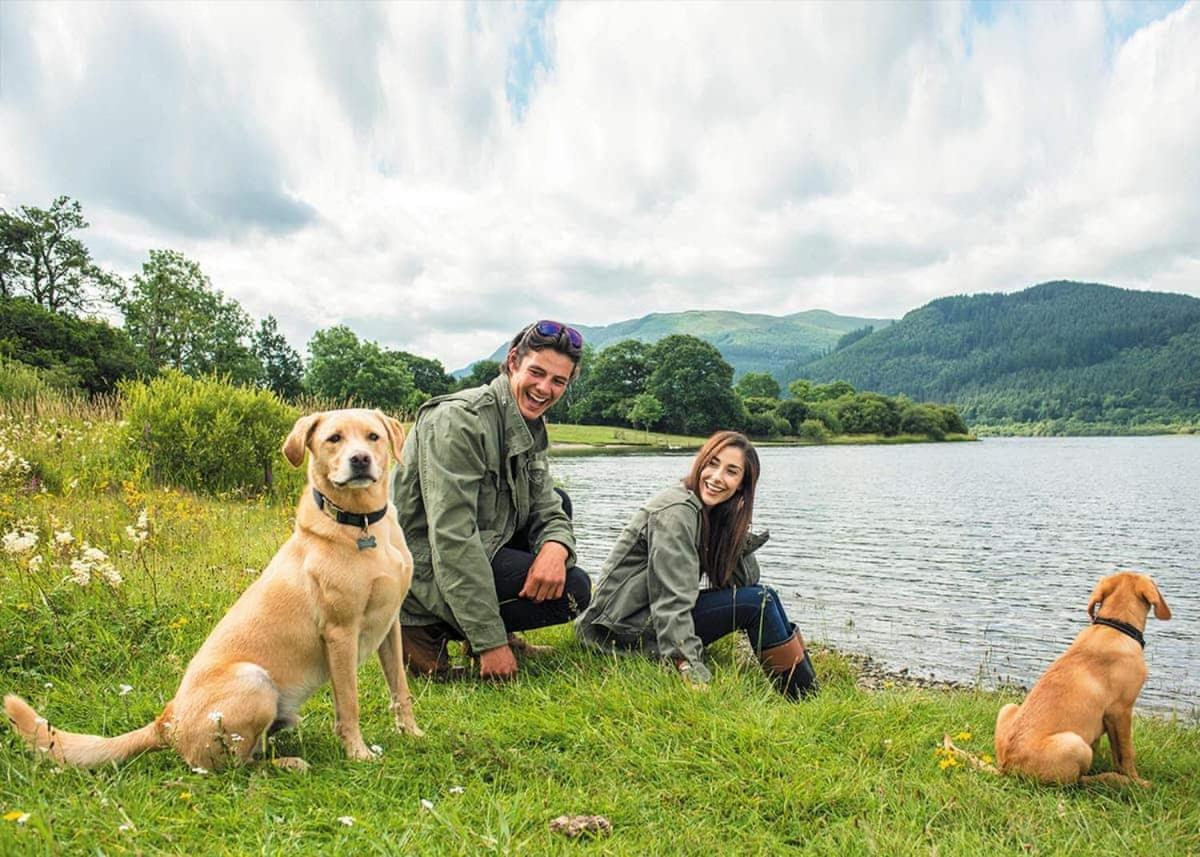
(651, 580)
(473, 475)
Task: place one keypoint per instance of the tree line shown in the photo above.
(175, 319)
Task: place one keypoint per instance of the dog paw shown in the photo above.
(410, 729)
(360, 753)
(291, 763)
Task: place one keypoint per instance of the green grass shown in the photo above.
(733, 769)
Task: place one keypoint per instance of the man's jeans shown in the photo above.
(511, 566)
(753, 609)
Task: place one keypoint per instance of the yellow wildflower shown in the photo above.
(185, 795)
(987, 757)
(963, 736)
(948, 762)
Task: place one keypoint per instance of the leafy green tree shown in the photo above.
(178, 320)
(644, 411)
(801, 389)
(795, 411)
(756, 405)
(758, 385)
(41, 258)
(577, 390)
(78, 352)
(617, 376)
(830, 392)
(281, 369)
(695, 386)
(868, 413)
(347, 370)
(482, 372)
(429, 376)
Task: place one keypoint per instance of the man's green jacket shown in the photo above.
(474, 473)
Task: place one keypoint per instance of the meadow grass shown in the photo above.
(733, 769)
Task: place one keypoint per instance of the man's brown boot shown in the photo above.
(425, 652)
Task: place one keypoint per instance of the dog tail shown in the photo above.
(70, 748)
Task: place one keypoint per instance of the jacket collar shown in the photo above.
(517, 437)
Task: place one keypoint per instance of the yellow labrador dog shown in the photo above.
(328, 599)
(1087, 692)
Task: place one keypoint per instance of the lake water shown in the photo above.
(963, 561)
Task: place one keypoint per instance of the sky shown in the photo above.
(436, 176)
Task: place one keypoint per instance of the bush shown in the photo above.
(206, 434)
(813, 430)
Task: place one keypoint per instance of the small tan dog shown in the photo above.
(328, 599)
(1087, 692)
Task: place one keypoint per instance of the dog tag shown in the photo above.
(365, 542)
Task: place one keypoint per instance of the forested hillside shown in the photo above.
(750, 342)
(1062, 351)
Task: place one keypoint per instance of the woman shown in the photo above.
(683, 574)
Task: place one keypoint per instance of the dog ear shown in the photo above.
(1103, 589)
(1147, 589)
(395, 433)
(297, 441)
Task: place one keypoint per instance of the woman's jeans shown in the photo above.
(753, 609)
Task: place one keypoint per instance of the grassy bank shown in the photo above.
(566, 438)
(731, 770)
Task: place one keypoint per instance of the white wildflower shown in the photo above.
(377, 749)
(215, 716)
(456, 790)
(347, 820)
(35, 562)
(200, 771)
(23, 817)
(64, 537)
(427, 805)
(48, 685)
(81, 572)
(124, 689)
(125, 827)
(19, 541)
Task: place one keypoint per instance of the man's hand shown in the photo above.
(497, 664)
(547, 576)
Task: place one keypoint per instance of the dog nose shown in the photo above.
(361, 461)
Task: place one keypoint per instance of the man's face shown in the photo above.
(538, 381)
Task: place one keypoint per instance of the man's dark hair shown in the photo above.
(530, 339)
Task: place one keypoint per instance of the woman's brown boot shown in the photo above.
(790, 668)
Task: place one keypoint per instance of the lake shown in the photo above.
(960, 561)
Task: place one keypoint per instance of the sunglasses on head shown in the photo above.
(554, 329)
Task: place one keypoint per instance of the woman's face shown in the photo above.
(721, 476)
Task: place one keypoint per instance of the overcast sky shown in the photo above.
(437, 175)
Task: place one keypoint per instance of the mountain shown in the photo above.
(1059, 351)
(750, 342)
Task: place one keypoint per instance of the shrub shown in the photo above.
(813, 430)
(205, 433)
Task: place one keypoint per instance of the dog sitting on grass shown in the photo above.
(329, 598)
(1086, 693)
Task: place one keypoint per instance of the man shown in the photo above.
(492, 544)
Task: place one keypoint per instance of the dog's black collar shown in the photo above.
(1124, 627)
(340, 515)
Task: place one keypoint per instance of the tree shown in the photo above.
(758, 385)
(281, 369)
(78, 352)
(42, 259)
(344, 369)
(482, 372)
(178, 320)
(694, 384)
(429, 376)
(645, 410)
(829, 392)
(617, 376)
(801, 389)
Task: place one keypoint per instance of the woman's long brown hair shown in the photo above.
(723, 527)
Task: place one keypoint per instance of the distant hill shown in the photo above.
(750, 342)
(1060, 351)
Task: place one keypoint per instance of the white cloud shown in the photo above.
(363, 163)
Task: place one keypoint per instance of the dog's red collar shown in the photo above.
(1124, 627)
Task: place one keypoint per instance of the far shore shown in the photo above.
(604, 440)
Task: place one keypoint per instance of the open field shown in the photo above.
(733, 769)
